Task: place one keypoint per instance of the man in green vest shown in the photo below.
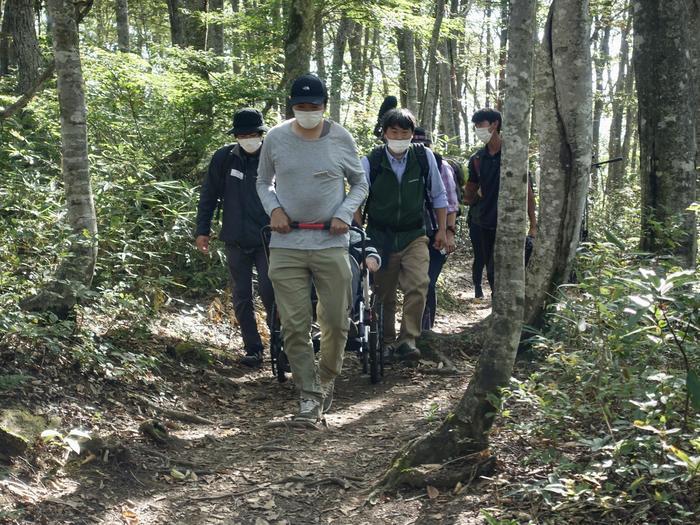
(405, 188)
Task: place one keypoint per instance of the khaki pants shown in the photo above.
(291, 272)
(409, 270)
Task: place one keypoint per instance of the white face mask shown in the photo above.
(398, 146)
(308, 119)
(483, 134)
(250, 145)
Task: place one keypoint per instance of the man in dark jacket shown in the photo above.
(231, 179)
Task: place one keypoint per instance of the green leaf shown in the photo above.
(48, 435)
(693, 385)
(73, 444)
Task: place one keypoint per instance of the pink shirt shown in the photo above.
(448, 179)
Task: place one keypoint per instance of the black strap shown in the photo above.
(422, 158)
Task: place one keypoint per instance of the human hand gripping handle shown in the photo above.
(279, 221)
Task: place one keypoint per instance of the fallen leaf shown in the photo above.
(432, 492)
(176, 474)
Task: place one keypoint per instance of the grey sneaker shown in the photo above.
(408, 352)
(309, 410)
(327, 389)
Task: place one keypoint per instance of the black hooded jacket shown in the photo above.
(232, 176)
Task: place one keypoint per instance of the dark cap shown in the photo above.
(247, 120)
(421, 136)
(308, 89)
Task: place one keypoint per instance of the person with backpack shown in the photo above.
(230, 183)
(439, 257)
(305, 163)
(404, 182)
(483, 184)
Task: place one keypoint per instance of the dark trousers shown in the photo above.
(240, 265)
(437, 261)
(488, 243)
(479, 259)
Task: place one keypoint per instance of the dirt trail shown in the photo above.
(247, 470)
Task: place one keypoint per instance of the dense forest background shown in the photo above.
(104, 240)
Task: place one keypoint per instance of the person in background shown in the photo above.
(231, 183)
(439, 257)
(483, 184)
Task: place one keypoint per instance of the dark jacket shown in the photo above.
(232, 176)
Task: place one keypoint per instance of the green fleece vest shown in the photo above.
(395, 216)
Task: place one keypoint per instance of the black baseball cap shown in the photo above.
(247, 120)
(421, 136)
(308, 89)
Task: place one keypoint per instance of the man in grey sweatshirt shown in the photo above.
(303, 167)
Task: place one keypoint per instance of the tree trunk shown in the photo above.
(298, 42)
(616, 171)
(356, 65)
(466, 430)
(502, 52)
(215, 29)
(122, 11)
(5, 41)
(319, 49)
(194, 30)
(563, 111)
(19, 15)
(186, 28)
(667, 139)
(630, 118)
(489, 48)
(407, 52)
(74, 274)
(428, 103)
(694, 33)
(420, 69)
(341, 38)
(602, 58)
(446, 112)
(176, 31)
(455, 79)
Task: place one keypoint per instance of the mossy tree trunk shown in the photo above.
(563, 107)
(667, 134)
(75, 272)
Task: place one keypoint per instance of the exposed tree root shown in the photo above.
(179, 415)
(343, 482)
(445, 456)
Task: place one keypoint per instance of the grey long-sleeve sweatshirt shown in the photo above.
(307, 179)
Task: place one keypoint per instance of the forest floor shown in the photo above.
(239, 464)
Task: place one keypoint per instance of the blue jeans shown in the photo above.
(437, 261)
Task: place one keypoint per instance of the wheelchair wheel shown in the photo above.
(282, 366)
(364, 350)
(376, 344)
(277, 355)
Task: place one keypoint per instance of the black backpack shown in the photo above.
(375, 167)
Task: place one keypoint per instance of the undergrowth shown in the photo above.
(613, 410)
